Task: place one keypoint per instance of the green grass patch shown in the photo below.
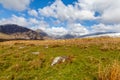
(17, 62)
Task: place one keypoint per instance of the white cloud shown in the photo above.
(111, 16)
(56, 31)
(105, 28)
(77, 29)
(14, 20)
(109, 9)
(40, 24)
(73, 29)
(32, 23)
(84, 10)
(18, 5)
(33, 13)
(71, 13)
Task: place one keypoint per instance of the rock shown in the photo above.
(61, 59)
(36, 53)
(46, 46)
(21, 47)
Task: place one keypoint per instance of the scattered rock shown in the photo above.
(36, 53)
(61, 59)
(46, 46)
(21, 47)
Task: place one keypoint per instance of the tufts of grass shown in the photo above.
(111, 72)
(17, 61)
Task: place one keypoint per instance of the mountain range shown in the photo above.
(90, 35)
(101, 34)
(13, 31)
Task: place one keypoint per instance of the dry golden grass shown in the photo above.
(111, 72)
(5, 36)
(18, 62)
(65, 42)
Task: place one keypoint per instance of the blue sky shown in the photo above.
(60, 17)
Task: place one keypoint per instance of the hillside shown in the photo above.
(89, 35)
(5, 36)
(18, 32)
(101, 34)
(31, 60)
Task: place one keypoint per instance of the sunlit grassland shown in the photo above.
(17, 61)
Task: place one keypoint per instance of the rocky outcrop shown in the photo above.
(19, 32)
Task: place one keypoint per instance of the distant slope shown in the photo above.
(97, 34)
(44, 34)
(41, 32)
(6, 36)
(12, 31)
(101, 34)
(67, 36)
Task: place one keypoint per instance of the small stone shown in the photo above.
(22, 47)
(36, 53)
(58, 59)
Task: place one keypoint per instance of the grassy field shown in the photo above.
(92, 59)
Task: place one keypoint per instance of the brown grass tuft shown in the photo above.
(111, 72)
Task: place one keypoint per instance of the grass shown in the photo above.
(18, 63)
(111, 72)
(5, 36)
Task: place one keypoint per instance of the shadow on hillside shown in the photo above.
(3, 40)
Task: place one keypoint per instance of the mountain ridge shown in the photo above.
(13, 31)
(19, 32)
(90, 35)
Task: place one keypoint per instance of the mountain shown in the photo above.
(44, 34)
(41, 32)
(5, 36)
(97, 34)
(101, 34)
(13, 31)
(67, 36)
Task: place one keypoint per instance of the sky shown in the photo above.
(61, 17)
